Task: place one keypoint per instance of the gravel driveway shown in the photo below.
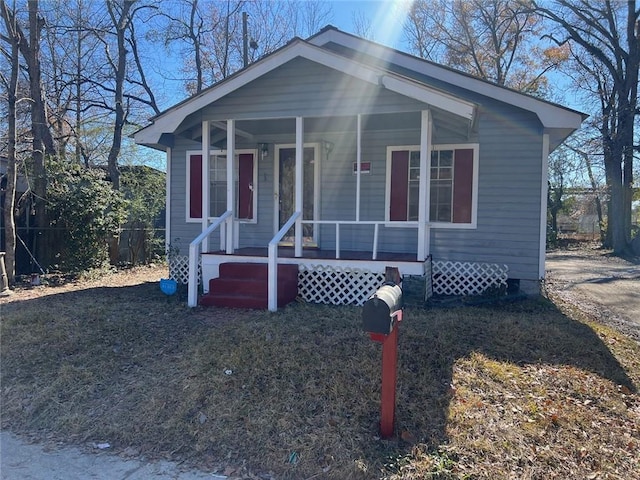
(606, 286)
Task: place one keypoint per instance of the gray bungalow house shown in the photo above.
(308, 172)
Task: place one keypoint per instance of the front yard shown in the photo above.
(523, 390)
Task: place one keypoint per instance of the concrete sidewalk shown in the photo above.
(23, 461)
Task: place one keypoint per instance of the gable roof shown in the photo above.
(168, 121)
(371, 63)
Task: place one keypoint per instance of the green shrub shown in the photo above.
(85, 211)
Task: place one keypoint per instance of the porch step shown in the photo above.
(245, 285)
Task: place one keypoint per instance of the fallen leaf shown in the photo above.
(407, 436)
(624, 390)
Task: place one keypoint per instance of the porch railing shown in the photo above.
(273, 261)
(194, 250)
(376, 229)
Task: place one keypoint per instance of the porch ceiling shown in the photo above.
(443, 122)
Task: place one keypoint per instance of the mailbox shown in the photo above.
(378, 314)
(381, 317)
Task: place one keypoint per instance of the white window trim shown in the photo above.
(222, 152)
(474, 193)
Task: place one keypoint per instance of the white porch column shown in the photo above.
(167, 214)
(424, 185)
(206, 149)
(299, 184)
(231, 152)
(359, 164)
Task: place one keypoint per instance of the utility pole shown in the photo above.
(245, 40)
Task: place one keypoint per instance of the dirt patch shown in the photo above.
(54, 283)
(598, 283)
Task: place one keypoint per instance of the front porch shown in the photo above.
(354, 277)
(322, 278)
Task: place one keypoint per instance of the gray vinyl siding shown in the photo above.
(304, 88)
(181, 232)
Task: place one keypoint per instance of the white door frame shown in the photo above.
(316, 184)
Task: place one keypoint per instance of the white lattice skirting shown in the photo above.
(337, 285)
(467, 278)
(179, 269)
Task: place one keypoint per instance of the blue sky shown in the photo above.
(386, 18)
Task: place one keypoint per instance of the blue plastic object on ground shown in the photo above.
(168, 286)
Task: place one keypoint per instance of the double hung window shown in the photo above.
(452, 184)
(244, 174)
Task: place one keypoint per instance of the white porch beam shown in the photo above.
(231, 151)
(299, 187)
(240, 133)
(206, 153)
(358, 163)
(424, 184)
(429, 96)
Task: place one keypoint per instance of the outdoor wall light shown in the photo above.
(264, 149)
(328, 146)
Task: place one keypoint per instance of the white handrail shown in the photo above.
(376, 226)
(194, 246)
(273, 261)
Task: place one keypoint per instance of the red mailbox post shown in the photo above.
(381, 316)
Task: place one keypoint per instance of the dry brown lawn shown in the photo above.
(524, 390)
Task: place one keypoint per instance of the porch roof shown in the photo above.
(169, 121)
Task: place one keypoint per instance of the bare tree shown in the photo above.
(42, 140)
(73, 61)
(604, 38)
(187, 27)
(308, 16)
(362, 25)
(11, 85)
(124, 69)
(491, 39)
(120, 18)
(209, 33)
(225, 43)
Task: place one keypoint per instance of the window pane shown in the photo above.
(415, 160)
(444, 213)
(218, 197)
(414, 194)
(446, 158)
(440, 210)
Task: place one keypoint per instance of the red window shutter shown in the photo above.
(462, 185)
(195, 186)
(399, 185)
(245, 186)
